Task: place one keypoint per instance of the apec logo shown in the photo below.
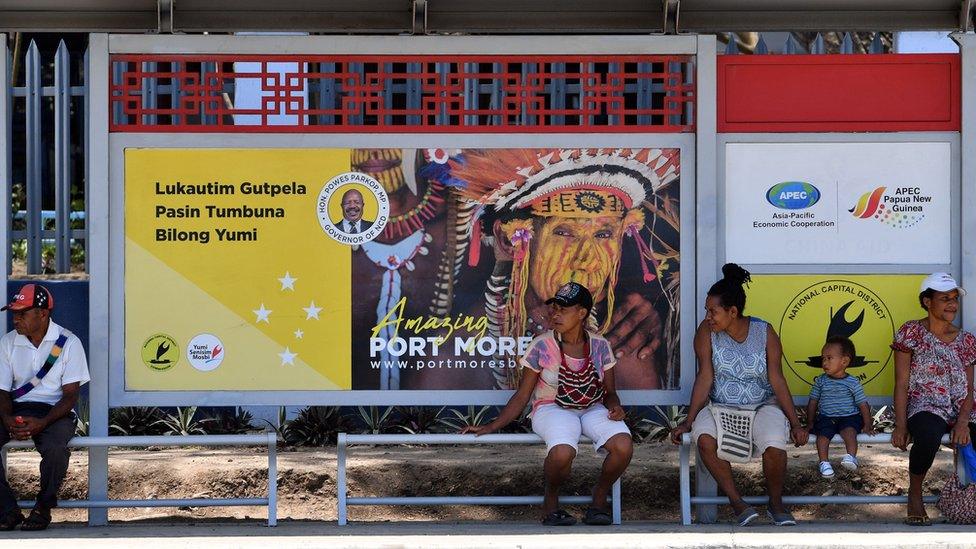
(793, 195)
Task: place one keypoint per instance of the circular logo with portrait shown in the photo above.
(160, 352)
(353, 208)
(837, 308)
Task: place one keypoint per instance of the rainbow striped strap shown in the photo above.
(48, 364)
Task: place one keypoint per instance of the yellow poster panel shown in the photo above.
(230, 281)
(805, 309)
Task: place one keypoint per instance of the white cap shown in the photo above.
(941, 282)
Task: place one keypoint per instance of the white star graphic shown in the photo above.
(311, 311)
(262, 314)
(299, 334)
(287, 357)
(287, 282)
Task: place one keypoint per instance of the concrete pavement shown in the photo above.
(424, 535)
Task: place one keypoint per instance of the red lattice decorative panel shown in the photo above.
(335, 94)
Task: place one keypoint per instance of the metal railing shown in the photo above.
(687, 500)
(269, 439)
(345, 440)
(48, 158)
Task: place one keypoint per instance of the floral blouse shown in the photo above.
(937, 375)
(543, 356)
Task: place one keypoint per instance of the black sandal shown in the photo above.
(597, 517)
(559, 518)
(39, 519)
(11, 520)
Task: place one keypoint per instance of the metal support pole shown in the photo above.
(341, 477)
(35, 156)
(615, 496)
(707, 204)
(272, 478)
(684, 478)
(6, 157)
(100, 262)
(967, 149)
(62, 158)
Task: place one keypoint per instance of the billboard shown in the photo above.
(805, 309)
(857, 203)
(258, 269)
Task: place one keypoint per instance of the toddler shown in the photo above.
(837, 405)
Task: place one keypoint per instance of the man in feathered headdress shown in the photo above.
(558, 215)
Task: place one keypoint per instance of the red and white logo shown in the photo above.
(205, 352)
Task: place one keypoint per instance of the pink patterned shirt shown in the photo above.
(937, 375)
(543, 356)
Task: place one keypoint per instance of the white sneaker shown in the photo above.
(826, 471)
(849, 462)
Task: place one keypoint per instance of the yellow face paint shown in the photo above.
(386, 165)
(583, 250)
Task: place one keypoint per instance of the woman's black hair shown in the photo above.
(729, 290)
(929, 293)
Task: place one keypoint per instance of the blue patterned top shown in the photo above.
(740, 368)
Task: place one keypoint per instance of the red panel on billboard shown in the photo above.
(842, 93)
(401, 93)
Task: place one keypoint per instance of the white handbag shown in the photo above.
(734, 427)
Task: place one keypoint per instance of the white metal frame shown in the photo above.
(103, 503)
(346, 440)
(687, 500)
(118, 142)
(107, 236)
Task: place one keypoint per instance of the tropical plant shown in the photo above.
(662, 420)
(376, 420)
(134, 421)
(184, 422)
(235, 421)
(82, 418)
(418, 419)
(474, 415)
(316, 426)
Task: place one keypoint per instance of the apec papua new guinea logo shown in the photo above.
(902, 208)
(793, 195)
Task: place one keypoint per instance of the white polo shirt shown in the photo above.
(20, 361)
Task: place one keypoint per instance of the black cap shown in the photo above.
(572, 293)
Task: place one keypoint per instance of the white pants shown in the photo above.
(558, 425)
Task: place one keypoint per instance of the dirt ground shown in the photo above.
(307, 481)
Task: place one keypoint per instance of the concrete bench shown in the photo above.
(266, 439)
(346, 440)
(707, 483)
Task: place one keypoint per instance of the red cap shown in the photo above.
(30, 296)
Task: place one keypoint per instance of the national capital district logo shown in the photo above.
(843, 308)
(160, 352)
(901, 208)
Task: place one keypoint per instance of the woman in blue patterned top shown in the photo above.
(740, 364)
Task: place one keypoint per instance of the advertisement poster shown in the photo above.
(805, 309)
(838, 203)
(391, 269)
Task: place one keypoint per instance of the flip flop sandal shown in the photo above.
(559, 518)
(597, 517)
(918, 520)
(37, 520)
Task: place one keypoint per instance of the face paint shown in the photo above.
(586, 251)
(385, 165)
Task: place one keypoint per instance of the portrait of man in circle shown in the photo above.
(352, 221)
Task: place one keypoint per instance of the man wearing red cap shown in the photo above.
(42, 369)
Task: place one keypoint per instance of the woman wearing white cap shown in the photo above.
(933, 384)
